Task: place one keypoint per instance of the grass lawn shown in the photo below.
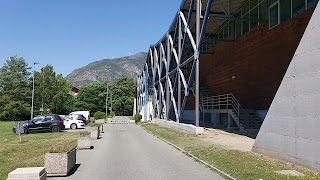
(241, 165)
(29, 153)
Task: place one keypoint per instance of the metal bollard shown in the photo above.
(102, 131)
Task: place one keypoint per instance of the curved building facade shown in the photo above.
(241, 64)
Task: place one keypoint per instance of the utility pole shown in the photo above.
(197, 75)
(34, 67)
(42, 106)
(107, 102)
(111, 102)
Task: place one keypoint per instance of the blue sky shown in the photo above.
(72, 33)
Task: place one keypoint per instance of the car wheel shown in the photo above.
(55, 129)
(73, 126)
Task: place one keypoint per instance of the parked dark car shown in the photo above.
(49, 122)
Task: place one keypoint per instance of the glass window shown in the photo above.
(220, 34)
(298, 6)
(263, 10)
(254, 15)
(38, 119)
(274, 15)
(238, 14)
(231, 28)
(238, 25)
(272, 1)
(48, 118)
(253, 3)
(238, 28)
(245, 8)
(245, 24)
(226, 30)
(312, 3)
(216, 36)
(285, 9)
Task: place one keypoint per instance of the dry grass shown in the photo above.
(85, 133)
(241, 165)
(30, 152)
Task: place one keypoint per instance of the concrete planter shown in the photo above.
(95, 132)
(60, 164)
(84, 142)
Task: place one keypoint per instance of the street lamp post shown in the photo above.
(34, 67)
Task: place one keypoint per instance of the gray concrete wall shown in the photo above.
(291, 130)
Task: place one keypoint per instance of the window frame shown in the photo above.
(276, 3)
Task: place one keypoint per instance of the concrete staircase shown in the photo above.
(204, 92)
(227, 104)
(249, 119)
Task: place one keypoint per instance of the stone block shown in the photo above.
(30, 173)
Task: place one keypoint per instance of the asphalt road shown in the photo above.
(127, 152)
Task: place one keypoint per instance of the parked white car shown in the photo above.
(86, 114)
(73, 123)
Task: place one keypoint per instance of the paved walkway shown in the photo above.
(127, 152)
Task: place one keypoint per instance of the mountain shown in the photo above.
(107, 70)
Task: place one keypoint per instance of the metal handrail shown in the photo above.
(225, 101)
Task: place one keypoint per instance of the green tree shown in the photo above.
(123, 93)
(45, 87)
(15, 89)
(61, 99)
(92, 97)
(52, 92)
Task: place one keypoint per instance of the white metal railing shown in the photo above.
(221, 102)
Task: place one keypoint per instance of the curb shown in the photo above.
(194, 157)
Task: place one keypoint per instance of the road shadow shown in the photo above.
(73, 170)
(91, 147)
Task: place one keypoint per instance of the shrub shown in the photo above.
(94, 124)
(63, 148)
(85, 133)
(112, 114)
(99, 115)
(137, 118)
